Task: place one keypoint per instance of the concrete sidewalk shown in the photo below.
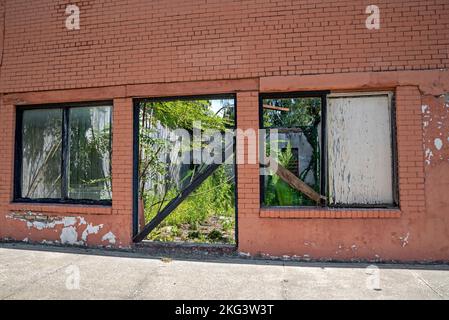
(39, 272)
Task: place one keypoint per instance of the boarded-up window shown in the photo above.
(359, 138)
(64, 154)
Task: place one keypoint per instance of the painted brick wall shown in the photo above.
(140, 41)
(70, 224)
(344, 234)
(165, 47)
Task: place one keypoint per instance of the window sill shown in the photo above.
(61, 209)
(330, 213)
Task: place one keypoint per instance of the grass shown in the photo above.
(206, 216)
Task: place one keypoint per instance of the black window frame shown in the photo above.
(324, 95)
(136, 127)
(323, 152)
(18, 156)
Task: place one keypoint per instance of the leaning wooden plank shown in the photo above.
(267, 106)
(295, 182)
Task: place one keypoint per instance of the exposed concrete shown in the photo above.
(40, 272)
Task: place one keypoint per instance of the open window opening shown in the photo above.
(186, 170)
(334, 150)
(297, 148)
(63, 154)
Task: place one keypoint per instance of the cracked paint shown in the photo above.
(41, 222)
(404, 239)
(438, 143)
(70, 227)
(109, 237)
(90, 229)
(357, 125)
(69, 236)
(436, 131)
(244, 254)
(429, 155)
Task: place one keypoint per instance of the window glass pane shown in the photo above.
(41, 153)
(360, 150)
(297, 147)
(90, 159)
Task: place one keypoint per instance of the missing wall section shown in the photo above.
(186, 185)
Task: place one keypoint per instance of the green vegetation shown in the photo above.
(304, 116)
(207, 215)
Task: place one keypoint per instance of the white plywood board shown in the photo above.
(360, 150)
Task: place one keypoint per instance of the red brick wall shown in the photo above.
(140, 41)
(93, 225)
(165, 47)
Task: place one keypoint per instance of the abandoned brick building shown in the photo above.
(383, 183)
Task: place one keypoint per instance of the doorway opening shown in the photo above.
(184, 170)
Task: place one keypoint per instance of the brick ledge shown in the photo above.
(336, 213)
(61, 209)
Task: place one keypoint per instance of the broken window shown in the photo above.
(335, 150)
(297, 148)
(63, 154)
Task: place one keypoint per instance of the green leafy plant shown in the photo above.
(211, 206)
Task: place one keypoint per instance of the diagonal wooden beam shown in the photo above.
(267, 106)
(296, 183)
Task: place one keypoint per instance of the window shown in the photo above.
(360, 150)
(334, 150)
(297, 121)
(64, 154)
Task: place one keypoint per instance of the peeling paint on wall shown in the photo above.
(438, 143)
(90, 229)
(69, 236)
(436, 129)
(40, 221)
(110, 237)
(428, 155)
(71, 227)
(404, 239)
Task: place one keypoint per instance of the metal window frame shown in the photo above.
(18, 152)
(136, 126)
(323, 152)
